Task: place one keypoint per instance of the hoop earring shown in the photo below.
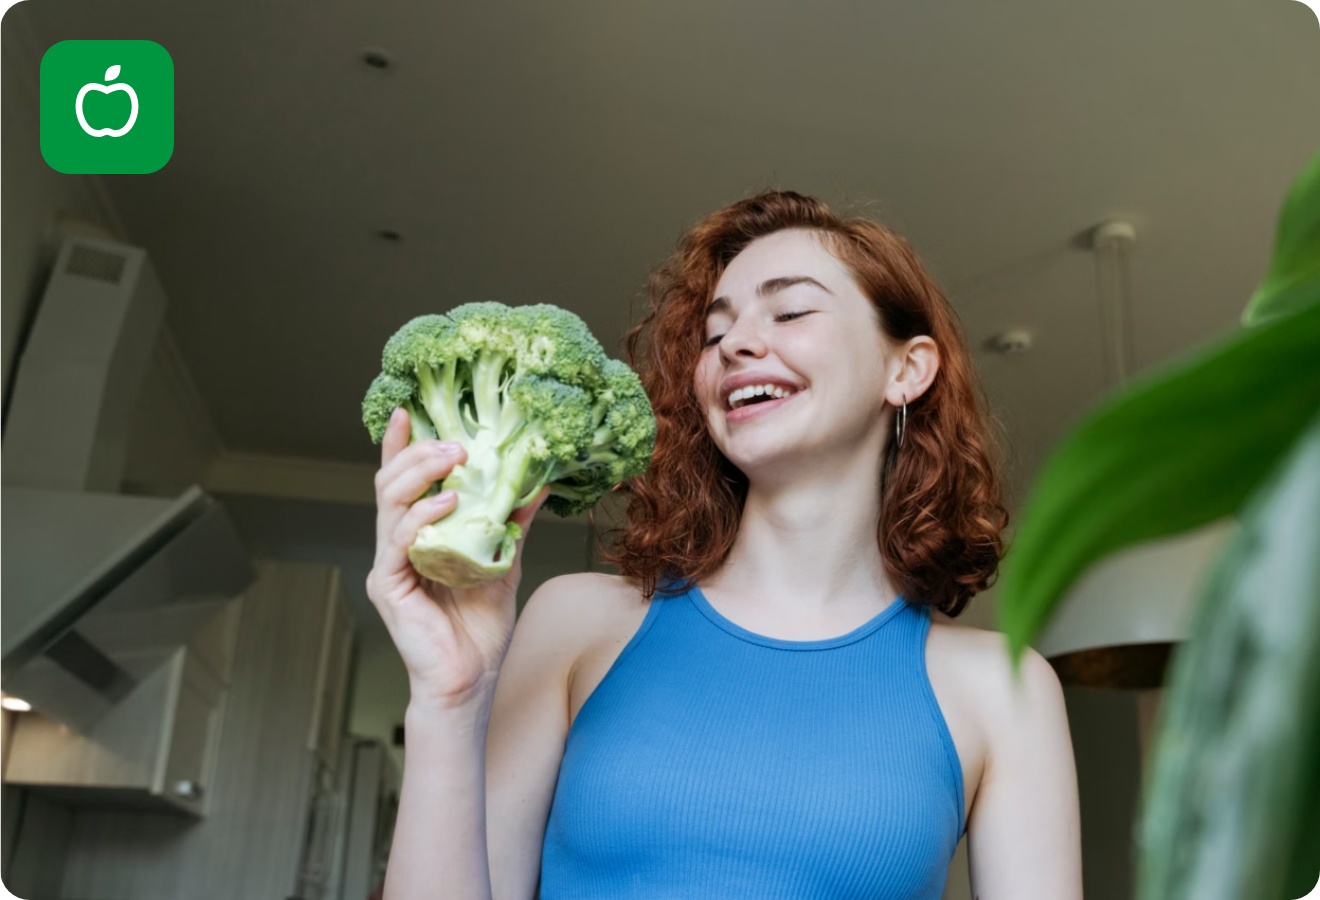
(900, 424)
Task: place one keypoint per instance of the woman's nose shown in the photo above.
(743, 340)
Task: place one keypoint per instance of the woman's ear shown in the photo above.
(919, 363)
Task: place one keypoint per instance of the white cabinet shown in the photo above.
(155, 749)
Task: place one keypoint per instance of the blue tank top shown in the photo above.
(713, 762)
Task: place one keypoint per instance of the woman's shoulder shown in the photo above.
(585, 592)
(971, 668)
(576, 612)
(1020, 714)
(591, 616)
(980, 657)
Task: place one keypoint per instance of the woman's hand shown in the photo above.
(452, 640)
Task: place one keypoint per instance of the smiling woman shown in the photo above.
(763, 703)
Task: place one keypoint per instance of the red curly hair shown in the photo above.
(942, 514)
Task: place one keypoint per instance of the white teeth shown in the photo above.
(739, 397)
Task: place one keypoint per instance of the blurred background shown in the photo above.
(339, 168)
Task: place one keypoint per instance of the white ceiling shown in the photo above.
(553, 152)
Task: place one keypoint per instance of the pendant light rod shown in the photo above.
(1112, 242)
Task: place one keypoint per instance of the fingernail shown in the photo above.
(397, 415)
(444, 497)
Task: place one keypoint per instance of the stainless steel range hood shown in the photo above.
(81, 559)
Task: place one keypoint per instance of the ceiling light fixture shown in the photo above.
(1014, 340)
(1112, 242)
(377, 59)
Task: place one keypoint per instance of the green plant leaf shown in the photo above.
(1293, 279)
(1179, 448)
(1230, 802)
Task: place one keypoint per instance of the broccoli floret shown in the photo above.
(531, 395)
(559, 344)
(386, 394)
(579, 492)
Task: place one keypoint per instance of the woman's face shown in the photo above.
(788, 315)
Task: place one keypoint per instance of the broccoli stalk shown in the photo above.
(532, 397)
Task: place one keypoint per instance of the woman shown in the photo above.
(770, 701)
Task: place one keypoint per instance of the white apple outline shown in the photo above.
(110, 74)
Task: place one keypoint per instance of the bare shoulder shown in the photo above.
(573, 613)
(591, 616)
(979, 660)
(964, 648)
(985, 702)
(586, 587)
(574, 604)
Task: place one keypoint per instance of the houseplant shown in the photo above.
(1232, 807)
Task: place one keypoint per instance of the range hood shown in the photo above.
(81, 560)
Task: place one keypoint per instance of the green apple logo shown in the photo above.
(144, 143)
(110, 75)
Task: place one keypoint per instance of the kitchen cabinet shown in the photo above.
(281, 713)
(154, 749)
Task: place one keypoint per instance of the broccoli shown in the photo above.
(531, 395)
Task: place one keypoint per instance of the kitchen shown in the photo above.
(201, 702)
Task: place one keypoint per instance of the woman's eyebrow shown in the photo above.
(772, 285)
(769, 286)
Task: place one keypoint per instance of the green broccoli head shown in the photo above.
(531, 395)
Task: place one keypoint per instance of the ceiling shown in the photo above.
(534, 152)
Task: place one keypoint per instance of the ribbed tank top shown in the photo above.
(713, 762)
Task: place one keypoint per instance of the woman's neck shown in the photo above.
(810, 544)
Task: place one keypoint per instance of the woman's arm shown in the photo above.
(528, 728)
(439, 845)
(478, 780)
(1024, 832)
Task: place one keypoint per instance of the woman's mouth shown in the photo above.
(758, 407)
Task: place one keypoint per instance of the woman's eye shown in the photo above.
(782, 317)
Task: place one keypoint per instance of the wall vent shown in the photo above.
(90, 262)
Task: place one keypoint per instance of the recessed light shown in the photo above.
(377, 59)
(1014, 340)
(13, 704)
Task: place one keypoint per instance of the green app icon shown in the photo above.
(107, 107)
